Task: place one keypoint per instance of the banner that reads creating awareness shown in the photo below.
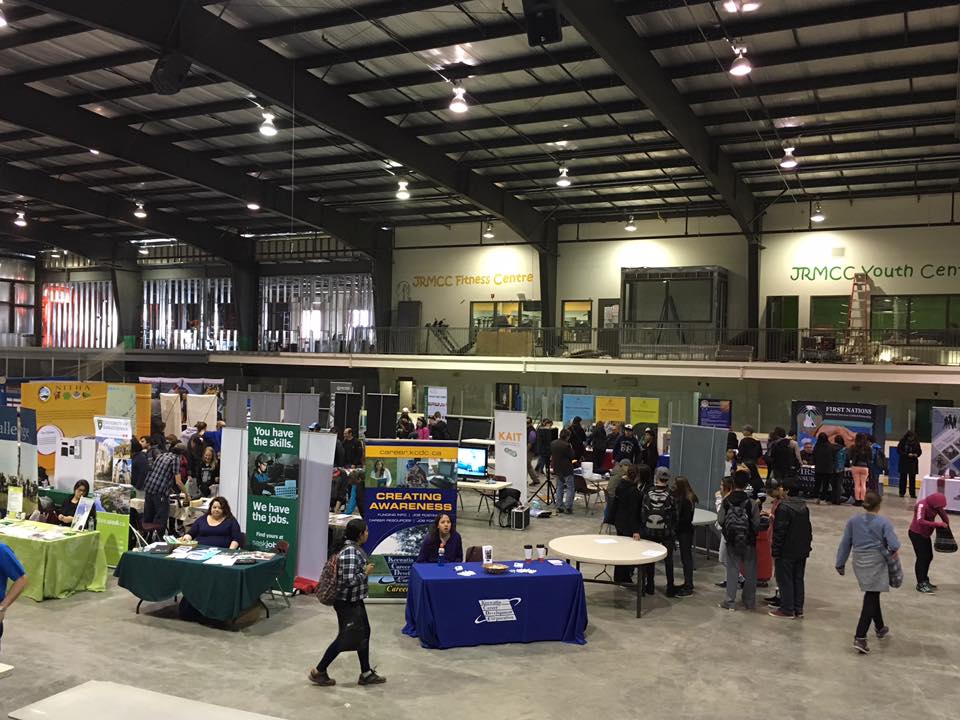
(407, 484)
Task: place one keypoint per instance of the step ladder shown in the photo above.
(858, 319)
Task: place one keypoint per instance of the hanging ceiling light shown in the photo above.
(741, 66)
(140, 212)
(789, 161)
(94, 151)
(253, 206)
(631, 226)
(267, 127)
(144, 251)
(488, 231)
(817, 216)
(3, 19)
(402, 192)
(459, 102)
(741, 6)
(21, 220)
(563, 180)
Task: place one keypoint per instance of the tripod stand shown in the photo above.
(551, 489)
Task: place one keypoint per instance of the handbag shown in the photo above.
(944, 541)
(351, 633)
(894, 568)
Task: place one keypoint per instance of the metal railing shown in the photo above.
(640, 342)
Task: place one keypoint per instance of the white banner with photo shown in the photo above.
(510, 432)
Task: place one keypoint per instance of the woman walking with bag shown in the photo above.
(876, 564)
(929, 514)
(353, 567)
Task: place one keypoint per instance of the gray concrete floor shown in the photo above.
(685, 657)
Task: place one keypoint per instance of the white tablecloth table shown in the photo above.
(609, 550)
(486, 490)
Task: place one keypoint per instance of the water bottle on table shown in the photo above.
(440, 554)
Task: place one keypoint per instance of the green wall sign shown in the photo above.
(928, 271)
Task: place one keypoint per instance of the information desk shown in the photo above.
(948, 486)
(447, 610)
(609, 550)
(57, 568)
(219, 592)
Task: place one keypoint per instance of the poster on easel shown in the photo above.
(644, 413)
(400, 515)
(273, 494)
(945, 442)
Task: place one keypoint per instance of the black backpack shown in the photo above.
(737, 526)
(659, 513)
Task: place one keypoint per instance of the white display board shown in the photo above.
(510, 437)
(171, 414)
(233, 486)
(316, 475)
(436, 401)
(202, 408)
(73, 467)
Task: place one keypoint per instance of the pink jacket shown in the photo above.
(926, 512)
(423, 433)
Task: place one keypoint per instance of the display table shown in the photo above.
(57, 568)
(447, 610)
(950, 488)
(609, 550)
(704, 519)
(806, 483)
(219, 592)
(487, 490)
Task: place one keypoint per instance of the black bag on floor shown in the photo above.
(507, 500)
(944, 541)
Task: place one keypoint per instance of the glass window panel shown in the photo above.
(953, 317)
(928, 312)
(23, 321)
(646, 298)
(829, 312)
(4, 292)
(23, 294)
(4, 318)
(889, 312)
(692, 299)
(577, 318)
(481, 314)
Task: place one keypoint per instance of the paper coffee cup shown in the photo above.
(528, 552)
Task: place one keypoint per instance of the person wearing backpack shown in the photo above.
(739, 520)
(352, 566)
(792, 541)
(658, 523)
(878, 465)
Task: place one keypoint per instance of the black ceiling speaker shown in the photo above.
(170, 73)
(543, 22)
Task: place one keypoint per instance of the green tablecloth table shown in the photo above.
(219, 592)
(59, 568)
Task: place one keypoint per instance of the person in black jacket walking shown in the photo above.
(749, 453)
(626, 512)
(909, 451)
(792, 540)
(824, 465)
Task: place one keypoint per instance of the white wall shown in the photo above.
(592, 255)
(446, 280)
(918, 257)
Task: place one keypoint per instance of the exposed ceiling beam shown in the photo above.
(215, 241)
(26, 107)
(100, 250)
(845, 10)
(607, 30)
(23, 37)
(214, 44)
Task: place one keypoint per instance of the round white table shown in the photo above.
(705, 519)
(609, 550)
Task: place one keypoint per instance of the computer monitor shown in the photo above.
(472, 462)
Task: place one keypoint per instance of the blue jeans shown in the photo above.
(565, 490)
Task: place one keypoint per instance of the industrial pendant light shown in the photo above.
(789, 161)
(741, 6)
(21, 220)
(140, 212)
(267, 128)
(459, 102)
(817, 215)
(488, 231)
(402, 192)
(741, 66)
(631, 226)
(564, 180)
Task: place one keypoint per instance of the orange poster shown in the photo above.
(67, 409)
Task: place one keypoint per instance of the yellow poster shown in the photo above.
(611, 408)
(645, 411)
(67, 409)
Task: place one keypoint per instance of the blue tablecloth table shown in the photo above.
(447, 610)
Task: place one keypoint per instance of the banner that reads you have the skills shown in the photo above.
(273, 490)
(408, 483)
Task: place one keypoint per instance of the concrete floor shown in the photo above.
(685, 657)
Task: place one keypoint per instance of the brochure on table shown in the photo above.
(399, 517)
